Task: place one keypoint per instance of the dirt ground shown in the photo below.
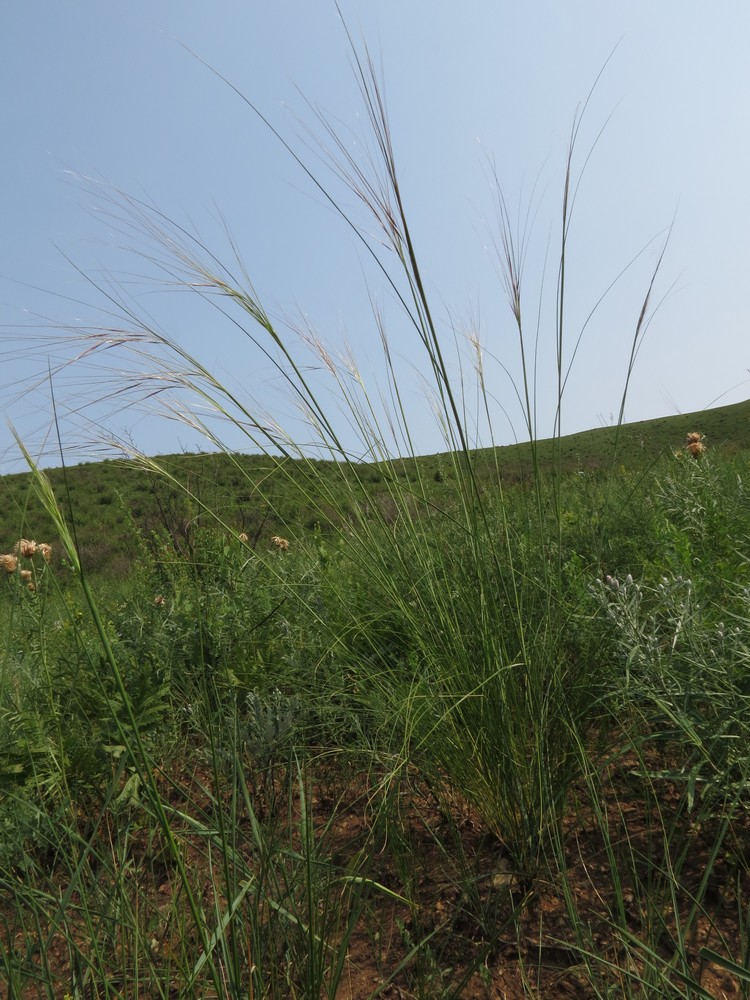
(491, 934)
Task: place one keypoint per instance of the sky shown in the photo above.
(103, 98)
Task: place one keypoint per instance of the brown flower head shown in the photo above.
(26, 574)
(9, 563)
(24, 547)
(280, 543)
(243, 537)
(694, 443)
(46, 550)
(160, 600)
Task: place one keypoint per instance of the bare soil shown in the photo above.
(488, 932)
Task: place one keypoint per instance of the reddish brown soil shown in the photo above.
(492, 934)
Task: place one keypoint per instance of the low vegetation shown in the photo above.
(379, 758)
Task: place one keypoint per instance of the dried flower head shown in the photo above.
(46, 550)
(280, 543)
(24, 547)
(26, 574)
(160, 600)
(243, 537)
(31, 585)
(694, 437)
(9, 563)
(695, 448)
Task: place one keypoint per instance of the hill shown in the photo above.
(116, 506)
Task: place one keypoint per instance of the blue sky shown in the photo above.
(111, 92)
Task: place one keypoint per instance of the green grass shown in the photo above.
(312, 747)
(112, 499)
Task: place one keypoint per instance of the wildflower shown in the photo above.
(46, 550)
(25, 548)
(160, 600)
(26, 574)
(31, 585)
(280, 543)
(9, 563)
(694, 444)
(243, 537)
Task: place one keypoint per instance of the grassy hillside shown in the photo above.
(500, 748)
(111, 500)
